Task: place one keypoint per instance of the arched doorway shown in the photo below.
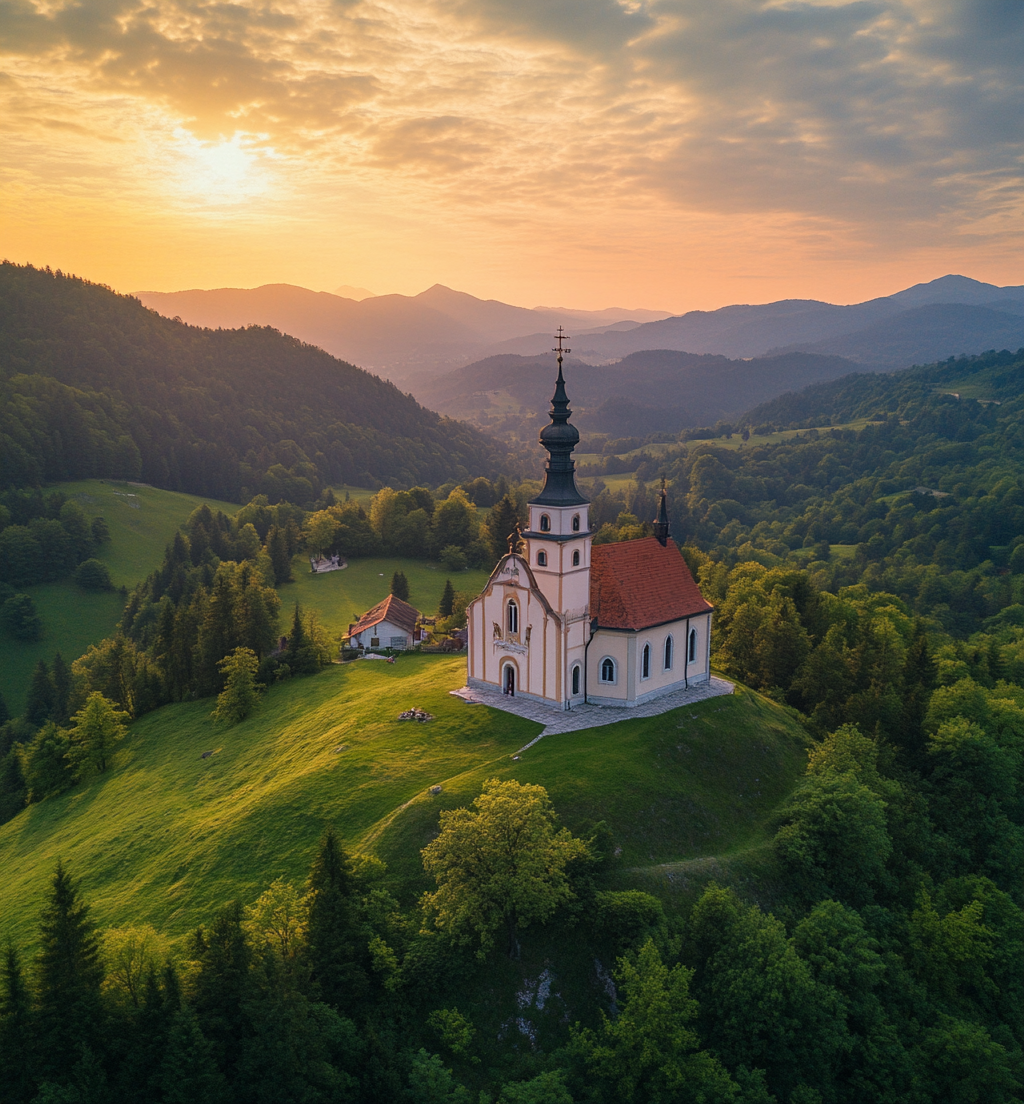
(508, 681)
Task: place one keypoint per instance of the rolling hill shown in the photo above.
(415, 338)
(401, 336)
(92, 384)
(656, 391)
(142, 521)
(166, 836)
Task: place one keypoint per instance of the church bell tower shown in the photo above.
(558, 539)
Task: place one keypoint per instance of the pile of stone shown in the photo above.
(416, 714)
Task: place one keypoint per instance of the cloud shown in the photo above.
(889, 120)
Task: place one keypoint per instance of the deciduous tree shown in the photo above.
(95, 731)
(501, 865)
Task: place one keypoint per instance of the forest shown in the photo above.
(92, 384)
(868, 575)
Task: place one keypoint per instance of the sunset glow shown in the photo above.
(670, 153)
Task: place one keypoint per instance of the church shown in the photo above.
(562, 622)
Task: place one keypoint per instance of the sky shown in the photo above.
(670, 154)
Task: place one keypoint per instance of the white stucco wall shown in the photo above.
(384, 632)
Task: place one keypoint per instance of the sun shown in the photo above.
(222, 173)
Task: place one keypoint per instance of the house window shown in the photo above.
(576, 523)
(374, 641)
(576, 558)
(513, 617)
(645, 662)
(691, 655)
(545, 523)
(575, 680)
(668, 653)
(542, 559)
(607, 669)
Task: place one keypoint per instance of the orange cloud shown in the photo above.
(587, 150)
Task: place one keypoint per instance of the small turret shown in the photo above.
(661, 521)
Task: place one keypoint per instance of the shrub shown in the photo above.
(20, 618)
(93, 575)
(453, 558)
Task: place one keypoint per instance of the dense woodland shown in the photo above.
(92, 384)
(869, 579)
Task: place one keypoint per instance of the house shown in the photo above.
(563, 623)
(390, 624)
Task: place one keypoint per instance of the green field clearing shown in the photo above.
(165, 836)
(340, 597)
(142, 521)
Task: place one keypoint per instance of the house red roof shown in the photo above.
(393, 610)
(638, 584)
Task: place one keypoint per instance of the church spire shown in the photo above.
(661, 521)
(560, 438)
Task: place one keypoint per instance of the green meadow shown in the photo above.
(142, 521)
(340, 597)
(166, 835)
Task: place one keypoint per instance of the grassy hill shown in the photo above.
(142, 521)
(341, 596)
(166, 835)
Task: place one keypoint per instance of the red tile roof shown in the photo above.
(638, 584)
(393, 610)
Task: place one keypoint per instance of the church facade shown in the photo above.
(563, 622)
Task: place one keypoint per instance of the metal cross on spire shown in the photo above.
(560, 337)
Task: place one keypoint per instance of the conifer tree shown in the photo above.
(68, 978)
(188, 1073)
(47, 770)
(5, 713)
(12, 786)
(400, 586)
(61, 675)
(301, 654)
(501, 523)
(280, 557)
(332, 926)
(221, 984)
(241, 694)
(444, 607)
(15, 1032)
(39, 701)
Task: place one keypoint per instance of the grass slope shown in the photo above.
(341, 597)
(166, 836)
(142, 521)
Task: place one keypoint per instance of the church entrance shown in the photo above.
(510, 680)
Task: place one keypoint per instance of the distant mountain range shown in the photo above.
(412, 339)
(656, 391)
(400, 336)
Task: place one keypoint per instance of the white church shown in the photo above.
(563, 623)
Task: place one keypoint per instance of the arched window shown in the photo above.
(576, 558)
(607, 670)
(645, 662)
(542, 559)
(691, 654)
(545, 523)
(576, 523)
(513, 617)
(668, 653)
(575, 680)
